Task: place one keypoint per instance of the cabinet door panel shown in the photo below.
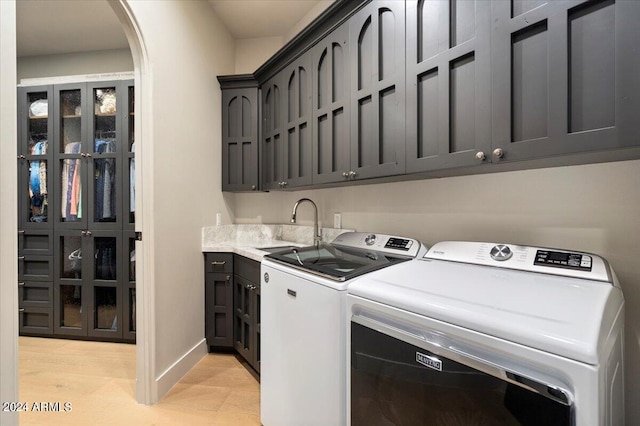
(106, 150)
(35, 144)
(219, 310)
(297, 146)
(330, 107)
(448, 83)
(272, 133)
(561, 75)
(377, 34)
(240, 139)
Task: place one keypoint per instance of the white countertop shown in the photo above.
(246, 240)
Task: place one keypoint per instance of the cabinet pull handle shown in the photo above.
(218, 262)
(88, 233)
(21, 310)
(89, 155)
(20, 284)
(20, 231)
(21, 157)
(20, 257)
(82, 154)
(228, 277)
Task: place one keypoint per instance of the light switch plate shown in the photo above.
(337, 220)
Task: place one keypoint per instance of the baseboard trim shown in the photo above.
(178, 369)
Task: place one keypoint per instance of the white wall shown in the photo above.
(8, 213)
(101, 61)
(594, 208)
(187, 47)
(306, 19)
(253, 52)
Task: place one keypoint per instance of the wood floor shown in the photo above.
(98, 379)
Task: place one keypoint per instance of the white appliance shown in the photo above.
(482, 333)
(303, 326)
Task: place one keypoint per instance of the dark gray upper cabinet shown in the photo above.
(240, 118)
(377, 87)
(272, 139)
(331, 130)
(565, 77)
(448, 83)
(297, 132)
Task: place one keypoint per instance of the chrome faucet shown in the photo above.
(316, 235)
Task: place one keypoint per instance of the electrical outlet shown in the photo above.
(337, 220)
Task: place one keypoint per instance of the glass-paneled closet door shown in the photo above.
(71, 147)
(128, 135)
(105, 174)
(105, 319)
(35, 157)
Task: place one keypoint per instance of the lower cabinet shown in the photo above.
(77, 284)
(232, 305)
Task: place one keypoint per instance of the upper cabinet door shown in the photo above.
(376, 35)
(35, 132)
(107, 101)
(297, 147)
(331, 98)
(240, 139)
(565, 77)
(448, 83)
(272, 139)
(71, 146)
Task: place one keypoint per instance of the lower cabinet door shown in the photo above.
(218, 294)
(243, 325)
(36, 320)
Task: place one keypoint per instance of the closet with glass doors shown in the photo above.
(76, 251)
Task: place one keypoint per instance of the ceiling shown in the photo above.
(53, 27)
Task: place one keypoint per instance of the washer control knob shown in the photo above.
(501, 252)
(370, 239)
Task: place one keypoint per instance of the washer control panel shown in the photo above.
(560, 259)
(524, 258)
(381, 243)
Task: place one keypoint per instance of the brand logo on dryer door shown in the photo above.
(429, 361)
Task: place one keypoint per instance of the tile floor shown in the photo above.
(98, 379)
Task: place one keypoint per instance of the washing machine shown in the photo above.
(483, 333)
(303, 326)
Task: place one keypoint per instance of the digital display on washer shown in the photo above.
(398, 243)
(558, 259)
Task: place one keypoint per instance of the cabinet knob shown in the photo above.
(345, 175)
(284, 184)
(21, 157)
(83, 233)
(228, 277)
(253, 187)
(352, 174)
(89, 155)
(88, 233)
(498, 153)
(82, 154)
(481, 156)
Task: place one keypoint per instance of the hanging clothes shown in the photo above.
(105, 184)
(38, 183)
(132, 180)
(70, 198)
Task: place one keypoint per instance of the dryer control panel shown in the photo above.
(524, 258)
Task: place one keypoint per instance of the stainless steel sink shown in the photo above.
(275, 249)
